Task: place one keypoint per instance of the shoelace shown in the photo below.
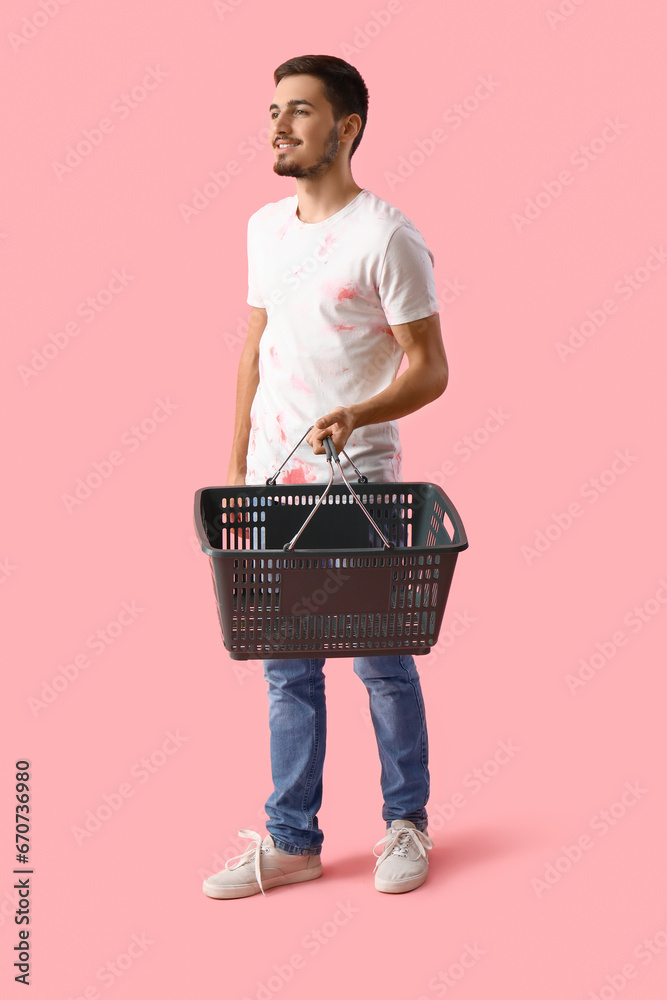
(252, 852)
(398, 842)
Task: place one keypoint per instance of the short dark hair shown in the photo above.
(342, 86)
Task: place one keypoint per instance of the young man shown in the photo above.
(340, 287)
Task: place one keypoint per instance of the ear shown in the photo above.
(350, 129)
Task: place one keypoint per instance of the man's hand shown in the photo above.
(338, 424)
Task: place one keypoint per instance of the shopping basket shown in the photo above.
(371, 574)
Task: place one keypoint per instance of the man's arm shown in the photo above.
(424, 380)
(246, 386)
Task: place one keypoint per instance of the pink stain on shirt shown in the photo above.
(342, 326)
(298, 384)
(348, 291)
(327, 244)
(295, 476)
(275, 357)
(300, 473)
(279, 420)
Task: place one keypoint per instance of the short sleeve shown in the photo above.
(407, 283)
(254, 294)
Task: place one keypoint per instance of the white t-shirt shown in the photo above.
(331, 289)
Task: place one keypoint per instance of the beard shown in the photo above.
(283, 167)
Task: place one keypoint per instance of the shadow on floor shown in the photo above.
(450, 854)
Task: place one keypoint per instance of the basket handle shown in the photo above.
(290, 545)
(332, 456)
(330, 449)
(272, 480)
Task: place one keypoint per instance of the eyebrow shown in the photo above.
(291, 104)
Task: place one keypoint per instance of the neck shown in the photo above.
(319, 199)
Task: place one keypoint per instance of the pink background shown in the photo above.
(519, 622)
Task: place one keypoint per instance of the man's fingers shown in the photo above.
(330, 418)
(317, 434)
(330, 425)
(315, 437)
(316, 444)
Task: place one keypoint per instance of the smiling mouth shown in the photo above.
(287, 145)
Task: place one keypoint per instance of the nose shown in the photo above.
(280, 122)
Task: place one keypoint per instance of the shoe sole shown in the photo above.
(405, 886)
(237, 892)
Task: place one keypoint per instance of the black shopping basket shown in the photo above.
(371, 575)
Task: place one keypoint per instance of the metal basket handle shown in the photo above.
(272, 480)
(332, 456)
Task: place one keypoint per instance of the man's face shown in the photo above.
(308, 124)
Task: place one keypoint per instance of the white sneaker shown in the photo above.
(403, 865)
(262, 865)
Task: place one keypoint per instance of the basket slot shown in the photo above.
(242, 536)
(336, 630)
(448, 524)
(267, 634)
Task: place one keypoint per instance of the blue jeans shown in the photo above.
(297, 720)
